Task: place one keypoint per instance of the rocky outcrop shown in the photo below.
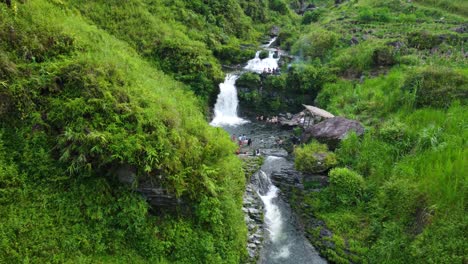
(288, 120)
(158, 197)
(274, 31)
(253, 208)
(253, 215)
(305, 7)
(291, 183)
(331, 131)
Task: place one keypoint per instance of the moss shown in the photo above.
(314, 158)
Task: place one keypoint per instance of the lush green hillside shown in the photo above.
(88, 88)
(401, 69)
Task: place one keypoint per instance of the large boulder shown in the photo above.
(332, 131)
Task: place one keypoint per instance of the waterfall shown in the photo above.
(259, 65)
(225, 110)
(285, 243)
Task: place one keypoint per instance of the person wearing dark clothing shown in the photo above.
(249, 142)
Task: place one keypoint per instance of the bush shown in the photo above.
(264, 54)
(367, 14)
(354, 60)
(280, 6)
(383, 56)
(306, 78)
(423, 40)
(398, 134)
(312, 16)
(437, 87)
(346, 186)
(249, 80)
(275, 82)
(314, 158)
(317, 44)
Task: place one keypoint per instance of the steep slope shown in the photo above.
(400, 67)
(79, 100)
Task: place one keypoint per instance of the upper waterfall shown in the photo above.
(259, 65)
(225, 109)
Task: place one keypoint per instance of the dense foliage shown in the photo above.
(399, 193)
(91, 87)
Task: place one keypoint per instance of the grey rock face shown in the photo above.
(253, 215)
(158, 197)
(274, 31)
(331, 131)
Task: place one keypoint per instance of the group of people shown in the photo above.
(242, 140)
(272, 120)
(267, 71)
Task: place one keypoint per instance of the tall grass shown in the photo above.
(457, 6)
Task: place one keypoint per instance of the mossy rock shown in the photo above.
(314, 158)
(264, 54)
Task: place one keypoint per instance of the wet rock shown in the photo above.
(331, 131)
(253, 215)
(277, 152)
(315, 182)
(274, 31)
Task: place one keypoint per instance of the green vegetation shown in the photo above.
(399, 193)
(314, 158)
(88, 88)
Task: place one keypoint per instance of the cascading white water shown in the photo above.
(272, 213)
(259, 65)
(225, 110)
(286, 244)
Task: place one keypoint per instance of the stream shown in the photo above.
(284, 241)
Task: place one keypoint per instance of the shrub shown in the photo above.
(264, 54)
(314, 158)
(280, 6)
(317, 44)
(346, 186)
(249, 80)
(367, 14)
(275, 82)
(437, 87)
(356, 59)
(383, 56)
(312, 16)
(306, 78)
(398, 134)
(423, 40)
